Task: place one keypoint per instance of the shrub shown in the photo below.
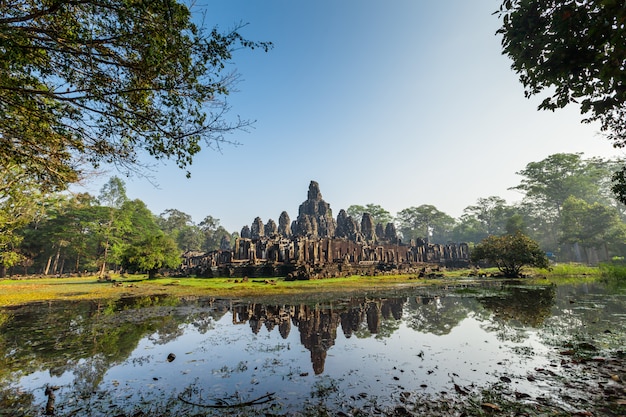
(510, 253)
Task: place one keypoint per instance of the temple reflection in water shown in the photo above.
(413, 337)
(318, 324)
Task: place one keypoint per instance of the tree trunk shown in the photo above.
(56, 260)
(104, 260)
(45, 272)
(577, 256)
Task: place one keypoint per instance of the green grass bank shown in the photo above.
(41, 289)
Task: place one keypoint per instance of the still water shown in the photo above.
(352, 350)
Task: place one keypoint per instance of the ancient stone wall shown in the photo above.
(316, 246)
(305, 257)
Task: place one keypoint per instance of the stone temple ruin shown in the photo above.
(316, 245)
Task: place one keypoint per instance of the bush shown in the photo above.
(615, 270)
(510, 253)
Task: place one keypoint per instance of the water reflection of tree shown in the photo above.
(437, 314)
(13, 398)
(524, 305)
(258, 315)
(380, 318)
(590, 311)
(318, 324)
(84, 338)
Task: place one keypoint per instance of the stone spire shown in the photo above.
(315, 218)
(368, 228)
(347, 227)
(257, 229)
(390, 233)
(284, 225)
(271, 229)
(314, 193)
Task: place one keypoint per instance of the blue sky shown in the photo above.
(397, 103)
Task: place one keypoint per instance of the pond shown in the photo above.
(352, 353)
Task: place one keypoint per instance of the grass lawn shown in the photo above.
(27, 290)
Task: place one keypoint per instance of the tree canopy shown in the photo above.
(492, 213)
(510, 253)
(425, 222)
(106, 81)
(576, 52)
(379, 214)
(19, 204)
(590, 226)
(151, 254)
(549, 182)
(63, 233)
(565, 210)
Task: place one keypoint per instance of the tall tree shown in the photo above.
(72, 233)
(68, 232)
(189, 238)
(489, 216)
(379, 214)
(613, 187)
(515, 223)
(591, 226)
(180, 227)
(151, 254)
(19, 200)
(425, 222)
(468, 229)
(173, 220)
(548, 183)
(112, 224)
(143, 221)
(551, 181)
(113, 193)
(106, 80)
(574, 50)
(492, 213)
(215, 236)
(138, 223)
(82, 221)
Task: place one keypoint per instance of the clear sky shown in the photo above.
(397, 103)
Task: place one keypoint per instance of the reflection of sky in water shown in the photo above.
(228, 360)
(421, 361)
(231, 359)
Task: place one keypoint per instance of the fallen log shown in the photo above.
(261, 400)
